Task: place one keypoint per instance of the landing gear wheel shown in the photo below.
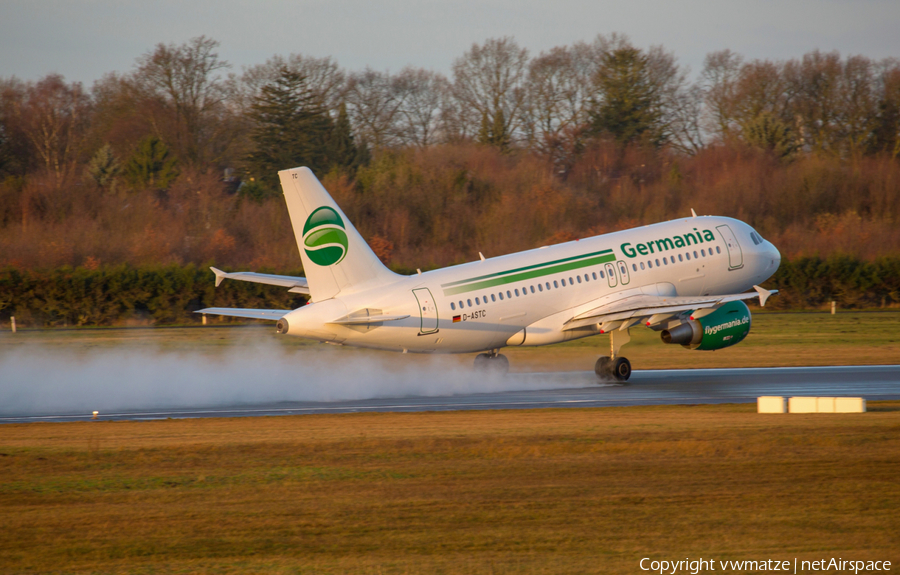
(601, 368)
(620, 368)
(492, 363)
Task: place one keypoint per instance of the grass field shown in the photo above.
(776, 339)
(531, 491)
(542, 491)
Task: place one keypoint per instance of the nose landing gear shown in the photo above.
(493, 362)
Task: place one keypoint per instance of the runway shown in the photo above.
(579, 389)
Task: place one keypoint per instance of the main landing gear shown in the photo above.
(493, 362)
(618, 368)
(614, 366)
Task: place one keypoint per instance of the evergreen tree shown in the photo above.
(484, 130)
(628, 107)
(768, 133)
(343, 152)
(886, 134)
(103, 168)
(151, 165)
(494, 133)
(291, 129)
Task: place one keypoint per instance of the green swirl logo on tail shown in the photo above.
(324, 237)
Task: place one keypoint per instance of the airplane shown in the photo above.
(686, 279)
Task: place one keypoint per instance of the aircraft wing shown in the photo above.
(269, 314)
(633, 309)
(296, 284)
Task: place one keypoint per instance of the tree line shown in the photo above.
(205, 114)
(175, 161)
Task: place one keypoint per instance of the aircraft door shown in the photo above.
(735, 256)
(611, 275)
(623, 272)
(427, 311)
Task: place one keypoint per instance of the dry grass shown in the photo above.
(543, 491)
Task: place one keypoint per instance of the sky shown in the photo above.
(85, 39)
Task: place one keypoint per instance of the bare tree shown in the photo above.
(54, 117)
(675, 100)
(686, 119)
(374, 101)
(886, 133)
(718, 80)
(422, 93)
(815, 86)
(186, 80)
(858, 109)
(489, 83)
(558, 93)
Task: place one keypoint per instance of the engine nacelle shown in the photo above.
(726, 326)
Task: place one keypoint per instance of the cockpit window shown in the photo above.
(757, 239)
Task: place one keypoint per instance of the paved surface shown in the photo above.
(645, 388)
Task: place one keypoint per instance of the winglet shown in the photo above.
(693, 213)
(763, 295)
(220, 275)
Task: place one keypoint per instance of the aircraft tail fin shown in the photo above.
(335, 256)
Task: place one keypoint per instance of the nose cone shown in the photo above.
(767, 261)
(773, 256)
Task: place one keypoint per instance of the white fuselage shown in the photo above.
(525, 298)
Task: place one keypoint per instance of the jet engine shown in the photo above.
(727, 325)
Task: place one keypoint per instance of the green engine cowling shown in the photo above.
(726, 326)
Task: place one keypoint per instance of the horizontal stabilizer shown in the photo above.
(296, 284)
(269, 314)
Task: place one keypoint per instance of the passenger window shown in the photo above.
(501, 296)
(556, 284)
(461, 304)
(563, 282)
(657, 263)
(452, 305)
(665, 262)
(579, 278)
(695, 255)
(540, 288)
(469, 302)
(634, 267)
(681, 259)
(571, 282)
(642, 265)
(688, 256)
(532, 288)
(508, 294)
(516, 292)
(477, 302)
(595, 275)
(649, 264)
(548, 286)
(703, 253)
(493, 297)
(718, 251)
